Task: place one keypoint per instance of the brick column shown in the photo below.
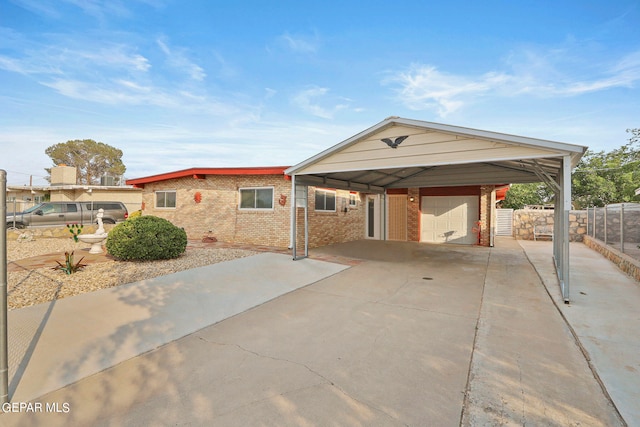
(413, 215)
(485, 214)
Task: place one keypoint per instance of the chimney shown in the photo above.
(63, 175)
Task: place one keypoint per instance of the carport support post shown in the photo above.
(294, 218)
(294, 230)
(4, 358)
(566, 207)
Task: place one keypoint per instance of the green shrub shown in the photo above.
(146, 238)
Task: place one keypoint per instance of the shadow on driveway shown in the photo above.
(414, 334)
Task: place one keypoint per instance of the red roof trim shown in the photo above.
(199, 173)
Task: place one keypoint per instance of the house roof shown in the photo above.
(44, 188)
(201, 173)
(433, 154)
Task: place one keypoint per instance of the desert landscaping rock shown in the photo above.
(26, 288)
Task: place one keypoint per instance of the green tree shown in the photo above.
(92, 159)
(520, 195)
(608, 177)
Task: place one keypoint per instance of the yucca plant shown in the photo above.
(69, 267)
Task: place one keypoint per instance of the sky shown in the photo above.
(177, 84)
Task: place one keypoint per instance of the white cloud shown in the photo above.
(309, 101)
(269, 93)
(178, 60)
(300, 44)
(127, 92)
(101, 8)
(43, 8)
(424, 87)
(70, 60)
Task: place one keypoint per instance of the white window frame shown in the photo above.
(273, 192)
(335, 198)
(353, 200)
(155, 196)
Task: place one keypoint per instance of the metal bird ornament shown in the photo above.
(394, 143)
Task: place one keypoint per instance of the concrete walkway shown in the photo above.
(413, 335)
(55, 344)
(604, 314)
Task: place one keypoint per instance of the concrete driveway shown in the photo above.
(418, 335)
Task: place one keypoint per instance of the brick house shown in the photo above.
(253, 205)
(400, 179)
(248, 205)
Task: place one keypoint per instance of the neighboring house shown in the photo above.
(248, 205)
(63, 188)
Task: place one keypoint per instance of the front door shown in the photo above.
(397, 215)
(372, 223)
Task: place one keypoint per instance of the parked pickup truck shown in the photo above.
(62, 213)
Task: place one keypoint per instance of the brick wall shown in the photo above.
(413, 215)
(485, 214)
(346, 224)
(218, 214)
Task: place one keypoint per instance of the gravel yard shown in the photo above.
(26, 288)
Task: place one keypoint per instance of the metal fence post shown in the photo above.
(4, 356)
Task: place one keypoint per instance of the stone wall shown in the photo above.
(51, 232)
(524, 221)
(623, 261)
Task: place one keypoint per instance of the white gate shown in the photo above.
(504, 222)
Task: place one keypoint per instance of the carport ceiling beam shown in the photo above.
(385, 177)
(545, 177)
(327, 181)
(408, 177)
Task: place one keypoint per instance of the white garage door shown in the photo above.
(449, 219)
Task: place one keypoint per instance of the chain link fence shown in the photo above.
(617, 225)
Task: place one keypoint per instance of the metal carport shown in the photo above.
(403, 153)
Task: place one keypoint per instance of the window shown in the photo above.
(256, 198)
(353, 200)
(166, 199)
(325, 200)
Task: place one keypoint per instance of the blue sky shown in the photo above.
(195, 83)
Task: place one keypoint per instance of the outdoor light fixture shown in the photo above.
(394, 143)
(412, 199)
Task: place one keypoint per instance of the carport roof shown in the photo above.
(433, 155)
